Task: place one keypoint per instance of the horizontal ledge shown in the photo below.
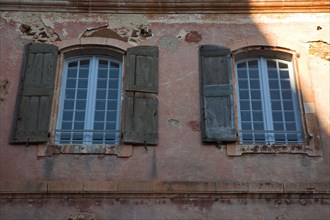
(155, 187)
(150, 7)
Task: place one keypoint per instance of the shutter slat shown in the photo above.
(216, 95)
(140, 101)
(33, 107)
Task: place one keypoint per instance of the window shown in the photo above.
(89, 107)
(268, 110)
(90, 97)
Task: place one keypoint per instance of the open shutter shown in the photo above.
(140, 102)
(34, 100)
(216, 94)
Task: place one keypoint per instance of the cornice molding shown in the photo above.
(168, 6)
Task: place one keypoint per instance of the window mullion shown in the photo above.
(91, 94)
(268, 118)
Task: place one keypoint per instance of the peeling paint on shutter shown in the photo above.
(216, 95)
(35, 95)
(140, 101)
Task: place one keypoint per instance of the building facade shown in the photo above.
(165, 110)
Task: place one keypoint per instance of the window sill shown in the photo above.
(238, 149)
(119, 150)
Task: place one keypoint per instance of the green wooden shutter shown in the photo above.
(35, 95)
(140, 101)
(218, 123)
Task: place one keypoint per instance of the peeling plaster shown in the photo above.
(320, 49)
(4, 86)
(169, 43)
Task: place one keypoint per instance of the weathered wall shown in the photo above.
(179, 156)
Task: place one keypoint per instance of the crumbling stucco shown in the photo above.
(320, 49)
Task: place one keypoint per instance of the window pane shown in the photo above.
(112, 94)
(283, 65)
(288, 105)
(253, 64)
(276, 105)
(103, 64)
(82, 94)
(245, 105)
(82, 83)
(80, 116)
(286, 94)
(255, 94)
(277, 116)
(100, 105)
(284, 74)
(245, 116)
(242, 74)
(84, 63)
(81, 104)
(271, 64)
(256, 105)
(99, 116)
(70, 93)
(254, 74)
(101, 84)
(246, 126)
(73, 64)
(244, 94)
(243, 84)
(112, 105)
(114, 73)
(285, 84)
(257, 116)
(273, 84)
(254, 84)
(113, 84)
(72, 72)
(71, 83)
(101, 94)
(114, 65)
(111, 115)
(68, 104)
(274, 94)
(103, 73)
(272, 74)
(67, 115)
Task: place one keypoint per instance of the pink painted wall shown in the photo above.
(179, 156)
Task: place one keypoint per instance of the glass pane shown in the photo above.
(257, 116)
(112, 94)
(112, 105)
(242, 74)
(290, 126)
(67, 115)
(100, 105)
(110, 126)
(274, 94)
(286, 94)
(255, 94)
(82, 83)
(114, 65)
(258, 126)
(111, 115)
(68, 104)
(245, 105)
(79, 125)
(254, 84)
(271, 64)
(245, 116)
(113, 84)
(276, 105)
(277, 116)
(247, 138)
(99, 116)
(73, 64)
(71, 83)
(254, 74)
(288, 105)
(256, 105)
(72, 72)
(98, 126)
(253, 64)
(243, 84)
(66, 125)
(284, 74)
(289, 116)
(84, 63)
(273, 84)
(101, 94)
(80, 116)
(70, 94)
(101, 84)
(278, 127)
(114, 74)
(241, 65)
(280, 138)
(246, 126)
(285, 84)
(272, 74)
(83, 73)
(82, 94)
(283, 65)
(103, 73)
(103, 64)
(244, 94)
(81, 104)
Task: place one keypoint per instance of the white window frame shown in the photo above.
(90, 100)
(266, 101)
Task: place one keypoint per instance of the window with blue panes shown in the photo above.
(89, 106)
(267, 102)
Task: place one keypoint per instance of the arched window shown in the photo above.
(89, 105)
(268, 109)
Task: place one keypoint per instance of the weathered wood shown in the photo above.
(216, 95)
(34, 100)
